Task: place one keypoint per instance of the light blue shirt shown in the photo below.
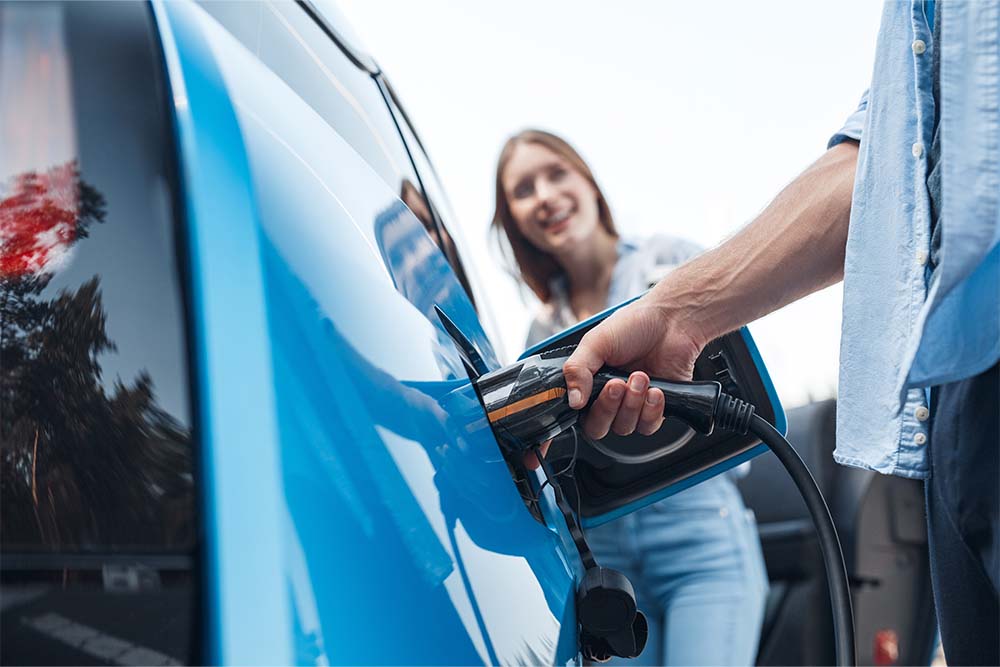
(903, 332)
(640, 265)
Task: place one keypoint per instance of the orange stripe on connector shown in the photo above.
(525, 403)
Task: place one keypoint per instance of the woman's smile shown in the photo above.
(558, 221)
(553, 203)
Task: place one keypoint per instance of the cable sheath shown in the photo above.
(833, 557)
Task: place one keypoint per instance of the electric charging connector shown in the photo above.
(526, 404)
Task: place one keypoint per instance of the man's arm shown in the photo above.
(793, 248)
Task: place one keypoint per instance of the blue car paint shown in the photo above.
(247, 611)
(357, 505)
(780, 421)
(359, 509)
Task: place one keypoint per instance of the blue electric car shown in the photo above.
(234, 426)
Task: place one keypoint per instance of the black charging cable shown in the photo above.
(575, 530)
(526, 404)
(610, 622)
(733, 414)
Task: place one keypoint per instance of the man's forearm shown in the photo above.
(793, 248)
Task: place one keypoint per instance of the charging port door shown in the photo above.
(618, 475)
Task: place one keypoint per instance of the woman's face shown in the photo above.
(553, 204)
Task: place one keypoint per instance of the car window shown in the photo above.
(341, 30)
(286, 39)
(452, 242)
(97, 451)
(428, 207)
(96, 401)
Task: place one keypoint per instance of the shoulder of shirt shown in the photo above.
(545, 321)
(650, 259)
(664, 248)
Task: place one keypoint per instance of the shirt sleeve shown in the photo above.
(537, 332)
(665, 250)
(544, 324)
(853, 125)
(685, 250)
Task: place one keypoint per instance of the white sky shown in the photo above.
(692, 115)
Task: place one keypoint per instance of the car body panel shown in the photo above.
(393, 532)
(247, 609)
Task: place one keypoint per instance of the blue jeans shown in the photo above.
(696, 565)
(963, 517)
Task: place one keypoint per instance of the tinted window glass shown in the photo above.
(96, 419)
(431, 204)
(97, 518)
(452, 242)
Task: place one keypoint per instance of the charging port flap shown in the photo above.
(618, 475)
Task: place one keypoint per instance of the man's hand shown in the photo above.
(793, 248)
(642, 335)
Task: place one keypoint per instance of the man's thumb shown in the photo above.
(579, 369)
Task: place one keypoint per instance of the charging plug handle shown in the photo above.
(694, 403)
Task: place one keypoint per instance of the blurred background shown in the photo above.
(692, 115)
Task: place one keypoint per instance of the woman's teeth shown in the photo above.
(555, 219)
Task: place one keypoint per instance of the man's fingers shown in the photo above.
(631, 407)
(651, 417)
(579, 369)
(603, 410)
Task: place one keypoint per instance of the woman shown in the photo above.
(694, 558)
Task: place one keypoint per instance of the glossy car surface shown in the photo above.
(353, 505)
(234, 428)
(391, 524)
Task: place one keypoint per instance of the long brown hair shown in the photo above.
(535, 267)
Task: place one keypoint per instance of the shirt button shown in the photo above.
(920, 438)
(917, 149)
(919, 47)
(922, 414)
(921, 257)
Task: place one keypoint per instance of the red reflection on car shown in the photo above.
(38, 220)
(886, 649)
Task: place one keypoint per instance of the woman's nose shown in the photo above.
(544, 191)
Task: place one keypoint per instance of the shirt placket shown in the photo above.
(915, 413)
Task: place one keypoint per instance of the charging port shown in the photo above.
(723, 374)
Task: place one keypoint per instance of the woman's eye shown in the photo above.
(522, 190)
(557, 174)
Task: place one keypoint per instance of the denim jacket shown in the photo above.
(905, 328)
